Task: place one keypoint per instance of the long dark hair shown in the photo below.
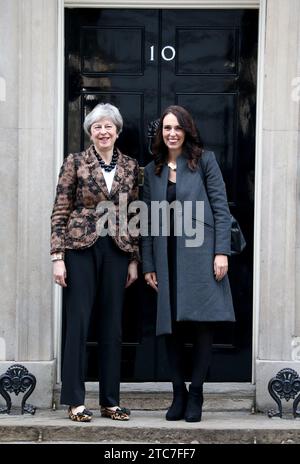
(192, 146)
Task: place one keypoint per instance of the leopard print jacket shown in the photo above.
(81, 188)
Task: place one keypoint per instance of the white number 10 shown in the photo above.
(168, 53)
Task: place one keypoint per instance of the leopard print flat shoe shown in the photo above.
(117, 414)
(83, 416)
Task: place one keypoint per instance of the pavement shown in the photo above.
(48, 426)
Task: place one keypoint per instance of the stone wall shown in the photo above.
(28, 139)
(279, 274)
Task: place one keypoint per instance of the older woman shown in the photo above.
(192, 282)
(94, 268)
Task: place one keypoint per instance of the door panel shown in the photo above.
(105, 62)
(216, 55)
(214, 77)
(142, 61)
(101, 52)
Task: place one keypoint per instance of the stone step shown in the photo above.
(152, 396)
(149, 427)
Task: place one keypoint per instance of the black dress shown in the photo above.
(171, 196)
(200, 333)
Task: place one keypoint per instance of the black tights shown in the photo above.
(202, 333)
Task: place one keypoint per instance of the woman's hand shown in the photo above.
(150, 278)
(132, 273)
(59, 272)
(220, 266)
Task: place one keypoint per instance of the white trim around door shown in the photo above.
(258, 179)
(218, 4)
(59, 156)
(162, 4)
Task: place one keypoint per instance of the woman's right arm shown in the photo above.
(147, 240)
(63, 206)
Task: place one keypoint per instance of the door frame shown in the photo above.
(59, 153)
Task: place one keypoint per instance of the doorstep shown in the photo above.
(48, 426)
(153, 396)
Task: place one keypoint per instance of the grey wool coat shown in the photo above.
(199, 296)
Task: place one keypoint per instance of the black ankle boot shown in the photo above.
(177, 409)
(193, 410)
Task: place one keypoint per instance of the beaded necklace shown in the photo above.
(108, 167)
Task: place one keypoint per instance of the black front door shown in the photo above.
(142, 61)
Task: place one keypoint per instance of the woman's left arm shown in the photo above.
(216, 190)
(135, 254)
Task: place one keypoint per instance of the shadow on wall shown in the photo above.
(2, 349)
(2, 89)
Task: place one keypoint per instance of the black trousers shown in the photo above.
(96, 277)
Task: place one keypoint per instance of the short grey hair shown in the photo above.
(102, 111)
